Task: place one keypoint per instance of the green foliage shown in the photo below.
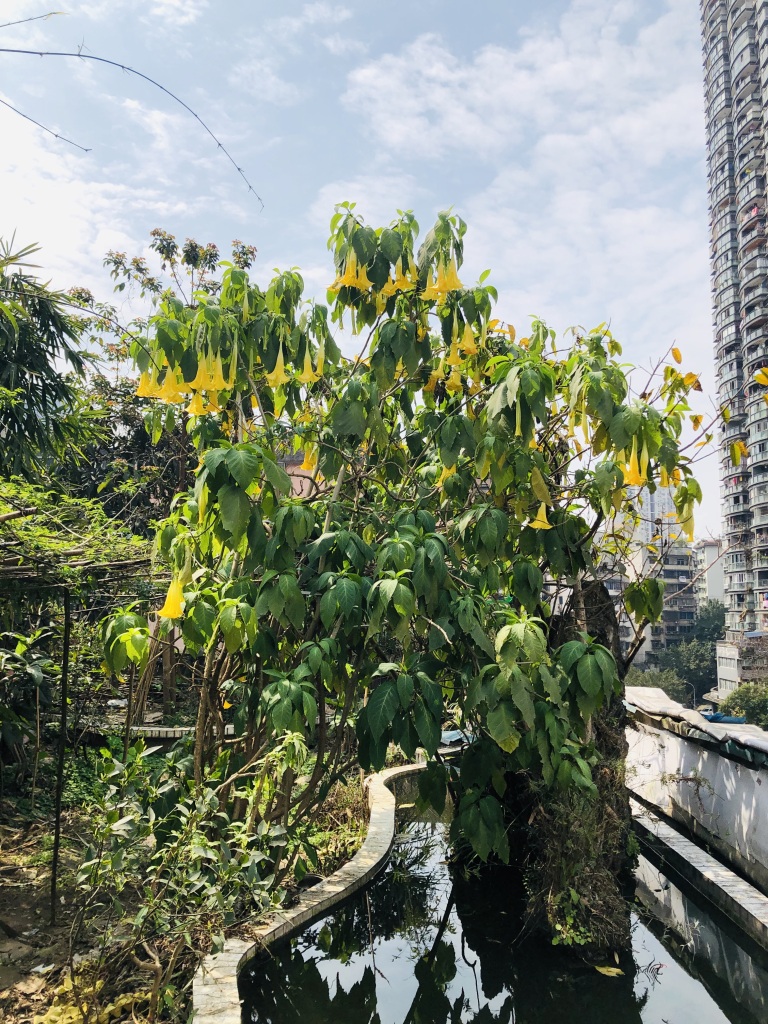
(664, 679)
(709, 624)
(441, 467)
(749, 700)
(43, 416)
(694, 662)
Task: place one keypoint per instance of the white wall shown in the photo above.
(717, 798)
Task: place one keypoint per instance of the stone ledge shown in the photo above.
(740, 901)
(215, 996)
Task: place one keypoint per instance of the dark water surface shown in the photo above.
(424, 945)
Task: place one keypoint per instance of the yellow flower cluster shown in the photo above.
(402, 282)
(447, 280)
(174, 389)
(354, 276)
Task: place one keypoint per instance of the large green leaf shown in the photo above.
(381, 708)
(502, 725)
(235, 510)
(244, 464)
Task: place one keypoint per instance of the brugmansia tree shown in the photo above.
(448, 465)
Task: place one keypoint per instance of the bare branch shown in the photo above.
(56, 135)
(139, 74)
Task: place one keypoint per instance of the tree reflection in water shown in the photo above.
(428, 945)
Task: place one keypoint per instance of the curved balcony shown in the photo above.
(743, 82)
(724, 223)
(754, 316)
(754, 271)
(732, 374)
(728, 336)
(736, 407)
(719, 108)
(754, 213)
(749, 135)
(720, 137)
(747, 55)
(715, 67)
(737, 14)
(742, 34)
(747, 108)
(726, 297)
(750, 188)
(749, 240)
(727, 316)
(722, 189)
(755, 358)
(759, 459)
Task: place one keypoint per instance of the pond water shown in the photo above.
(426, 945)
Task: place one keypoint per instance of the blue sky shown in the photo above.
(568, 133)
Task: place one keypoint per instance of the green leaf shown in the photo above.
(404, 690)
(590, 674)
(235, 510)
(502, 726)
(433, 786)
(244, 465)
(381, 708)
(426, 726)
(277, 476)
(349, 418)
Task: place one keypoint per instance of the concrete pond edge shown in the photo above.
(215, 995)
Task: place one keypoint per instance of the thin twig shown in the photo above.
(146, 78)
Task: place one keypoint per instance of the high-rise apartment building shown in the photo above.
(735, 46)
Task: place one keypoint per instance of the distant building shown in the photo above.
(708, 572)
(657, 547)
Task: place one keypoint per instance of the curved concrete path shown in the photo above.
(215, 996)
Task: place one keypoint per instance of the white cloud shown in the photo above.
(260, 73)
(173, 13)
(283, 29)
(378, 197)
(343, 46)
(576, 156)
(259, 76)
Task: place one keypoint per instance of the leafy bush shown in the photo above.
(665, 679)
(750, 700)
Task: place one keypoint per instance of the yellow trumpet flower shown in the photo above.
(452, 282)
(169, 392)
(310, 460)
(633, 477)
(174, 601)
(349, 278)
(663, 477)
(468, 344)
(148, 387)
(453, 384)
(321, 357)
(362, 281)
(431, 292)
(203, 375)
(197, 406)
(541, 522)
(389, 289)
(308, 375)
(278, 376)
(434, 377)
(217, 382)
(454, 359)
(442, 285)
